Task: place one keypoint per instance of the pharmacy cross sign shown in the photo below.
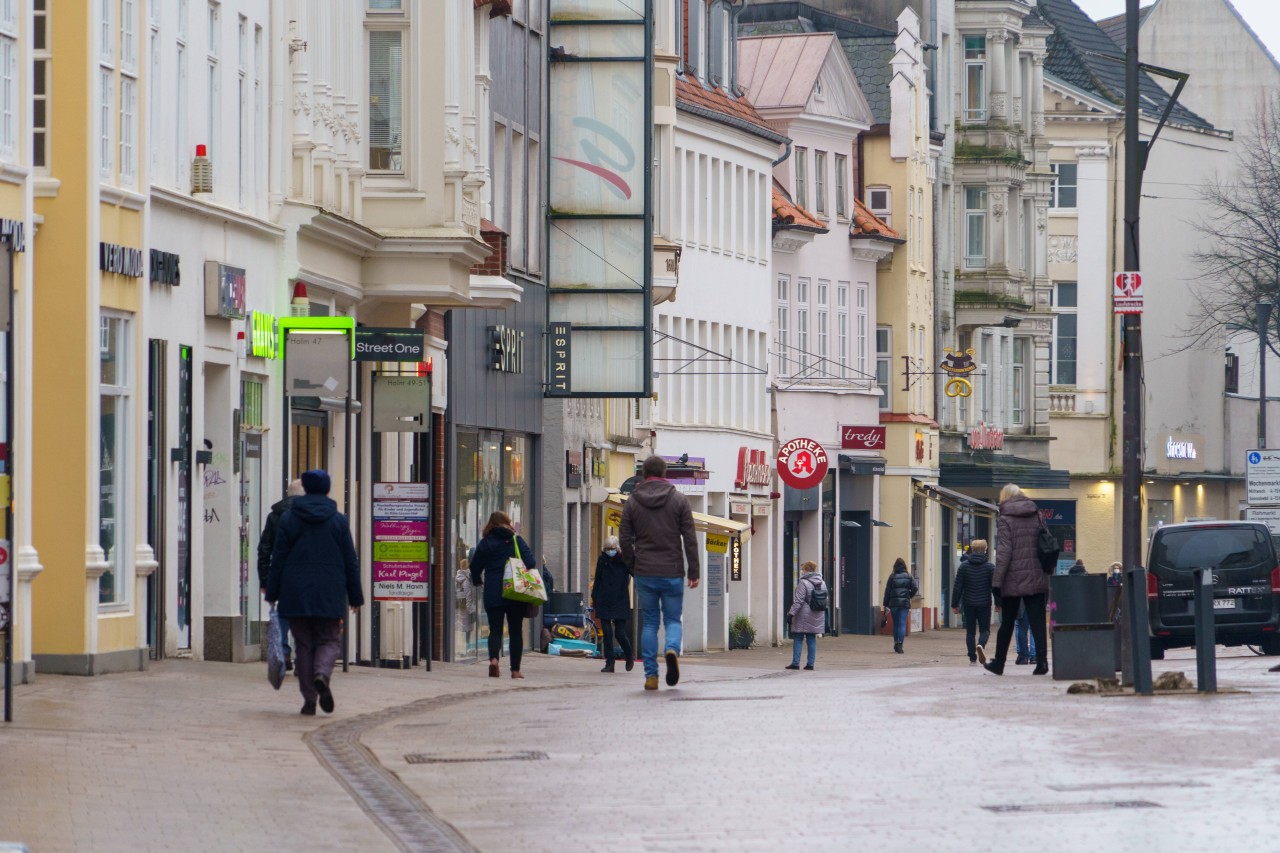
(802, 463)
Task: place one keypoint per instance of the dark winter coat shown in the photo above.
(972, 585)
(314, 569)
(611, 590)
(899, 590)
(1018, 571)
(656, 520)
(804, 619)
(267, 541)
(1078, 569)
(489, 560)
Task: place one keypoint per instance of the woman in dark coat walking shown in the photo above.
(898, 592)
(611, 598)
(498, 544)
(315, 577)
(1019, 579)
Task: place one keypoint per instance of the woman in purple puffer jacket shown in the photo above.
(1019, 579)
(806, 622)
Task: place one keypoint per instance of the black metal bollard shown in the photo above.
(1206, 660)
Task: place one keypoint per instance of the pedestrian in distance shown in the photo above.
(1078, 569)
(464, 601)
(972, 591)
(898, 592)
(611, 599)
(808, 614)
(1114, 578)
(266, 542)
(315, 578)
(1024, 642)
(498, 543)
(656, 522)
(1019, 576)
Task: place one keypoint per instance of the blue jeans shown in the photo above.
(798, 640)
(659, 597)
(284, 634)
(900, 623)
(1026, 644)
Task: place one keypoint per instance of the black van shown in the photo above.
(1246, 584)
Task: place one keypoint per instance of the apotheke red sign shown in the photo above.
(753, 468)
(802, 463)
(862, 437)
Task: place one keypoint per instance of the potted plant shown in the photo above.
(742, 632)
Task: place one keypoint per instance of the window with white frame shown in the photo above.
(802, 168)
(820, 181)
(534, 197)
(975, 78)
(921, 365)
(128, 130)
(884, 365)
(719, 47)
(257, 104)
(975, 227)
(106, 118)
(986, 366)
(107, 32)
(180, 118)
(184, 19)
(696, 38)
(215, 27)
(920, 225)
(1064, 332)
(8, 81)
(842, 325)
(129, 36)
(40, 84)
(1020, 391)
(153, 92)
(802, 321)
(783, 331)
(880, 201)
(911, 224)
(114, 458)
(212, 101)
(517, 226)
(842, 189)
(823, 288)
(386, 100)
(861, 324)
(1063, 192)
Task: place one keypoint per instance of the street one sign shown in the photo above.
(802, 463)
(1127, 293)
(1262, 477)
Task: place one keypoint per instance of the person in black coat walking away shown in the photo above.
(898, 592)
(611, 598)
(972, 590)
(1019, 578)
(267, 542)
(1078, 569)
(315, 577)
(498, 544)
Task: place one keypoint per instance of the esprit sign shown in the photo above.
(862, 437)
(507, 349)
(802, 463)
(753, 468)
(983, 437)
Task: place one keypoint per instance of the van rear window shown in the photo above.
(1224, 547)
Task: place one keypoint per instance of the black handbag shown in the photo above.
(1047, 549)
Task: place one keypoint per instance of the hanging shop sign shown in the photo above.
(802, 463)
(735, 559)
(224, 291)
(983, 437)
(599, 210)
(506, 349)
(1126, 295)
(166, 268)
(120, 260)
(318, 363)
(717, 544)
(753, 468)
(264, 335)
(958, 364)
(401, 541)
(572, 469)
(390, 344)
(862, 437)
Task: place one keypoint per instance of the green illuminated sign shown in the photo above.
(264, 338)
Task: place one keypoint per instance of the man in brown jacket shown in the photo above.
(656, 521)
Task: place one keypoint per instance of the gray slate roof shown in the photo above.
(1073, 57)
(871, 60)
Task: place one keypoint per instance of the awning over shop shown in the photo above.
(956, 500)
(701, 522)
(992, 471)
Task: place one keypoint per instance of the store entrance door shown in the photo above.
(308, 441)
(855, 572)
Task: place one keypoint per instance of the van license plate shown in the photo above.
(1224, 604)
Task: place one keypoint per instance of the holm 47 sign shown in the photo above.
(802, 463)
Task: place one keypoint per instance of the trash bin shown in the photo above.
(1083, 634)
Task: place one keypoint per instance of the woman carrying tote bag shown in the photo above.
(498, 544)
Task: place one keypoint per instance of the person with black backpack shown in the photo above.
(808, 613)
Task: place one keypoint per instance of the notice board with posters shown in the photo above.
(401, 541)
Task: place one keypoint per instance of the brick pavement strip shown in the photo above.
(873, 749)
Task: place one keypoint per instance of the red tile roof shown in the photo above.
(867, 224)
(500, 7)
(692, 93)
(787, 214)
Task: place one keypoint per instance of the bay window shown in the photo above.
(114, 458)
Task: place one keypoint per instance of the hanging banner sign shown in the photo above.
(862, 437)
(390, 344)
(802, 463)
(401, 541)
(717, 544)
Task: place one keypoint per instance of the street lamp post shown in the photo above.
(1264, 321)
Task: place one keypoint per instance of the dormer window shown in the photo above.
(709, 48)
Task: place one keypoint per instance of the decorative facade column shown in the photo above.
(1016, 80)
(1037, 94)
(996, 41)
(998, 205)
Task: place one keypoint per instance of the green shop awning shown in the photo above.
(993, 470)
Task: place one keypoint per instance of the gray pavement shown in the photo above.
(871, 751)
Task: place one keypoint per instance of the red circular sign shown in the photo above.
(802, 463)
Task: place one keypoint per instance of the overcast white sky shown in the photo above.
(1263, 16)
